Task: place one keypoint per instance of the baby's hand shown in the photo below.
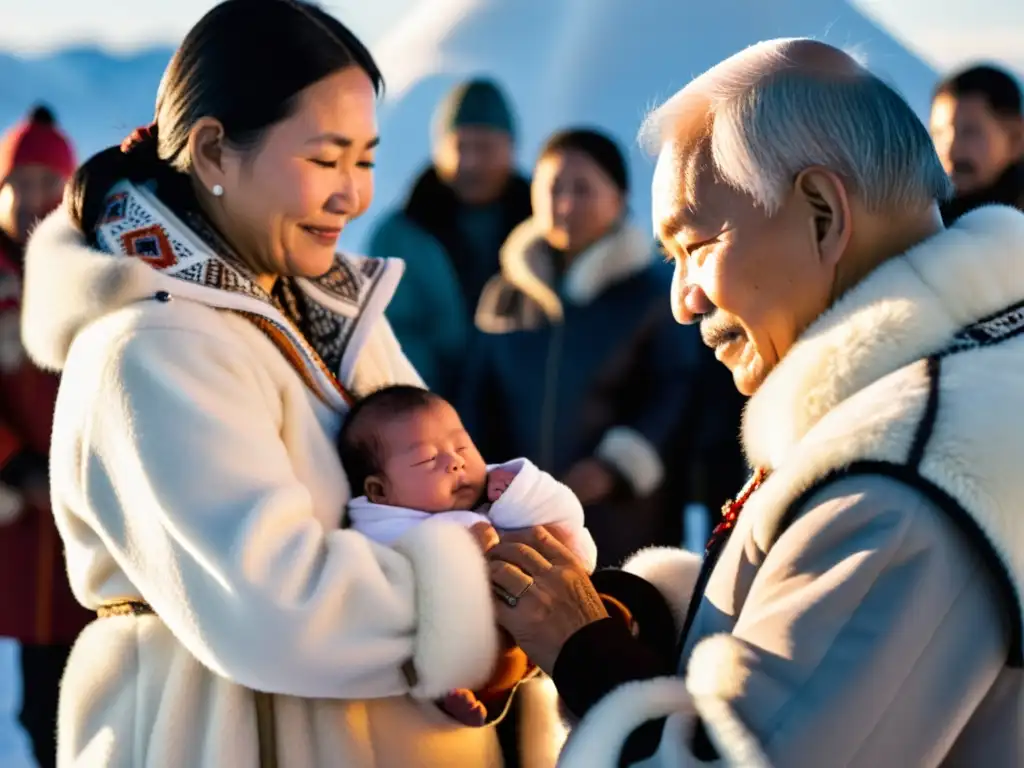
(464, 706)
(498, 482)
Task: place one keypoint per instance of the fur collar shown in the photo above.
(145, 251)
(527, 263)
(907, 309)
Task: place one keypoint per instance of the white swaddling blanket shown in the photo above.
(532, 498)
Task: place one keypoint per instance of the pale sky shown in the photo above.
(945, 32)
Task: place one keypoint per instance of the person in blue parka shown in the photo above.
(577, 362)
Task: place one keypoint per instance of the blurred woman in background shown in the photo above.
(578, 363)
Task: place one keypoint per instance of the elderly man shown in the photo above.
(859, 605)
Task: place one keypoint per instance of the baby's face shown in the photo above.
(431, 464)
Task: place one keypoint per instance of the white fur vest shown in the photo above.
(917, 373)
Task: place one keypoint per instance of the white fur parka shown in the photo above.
(193, 467)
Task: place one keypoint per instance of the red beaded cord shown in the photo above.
(732, 508)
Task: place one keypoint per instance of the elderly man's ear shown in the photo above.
(827, 207)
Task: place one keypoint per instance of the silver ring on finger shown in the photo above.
(509, 599)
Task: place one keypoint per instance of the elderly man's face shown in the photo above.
(753, 282)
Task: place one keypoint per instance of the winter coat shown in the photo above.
(586, 365)
(866, 609)
(194, 468)
(433, 306)
(36, 604)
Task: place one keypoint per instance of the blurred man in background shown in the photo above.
(449, 231)
(977, 123)
(36, 606)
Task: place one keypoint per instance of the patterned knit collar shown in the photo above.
(319, 325)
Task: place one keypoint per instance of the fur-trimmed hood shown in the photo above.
(148, 252)
(905, 310)
(527, 264)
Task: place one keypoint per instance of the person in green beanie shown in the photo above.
(451, 227)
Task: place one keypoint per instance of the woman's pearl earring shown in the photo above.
(217, 190)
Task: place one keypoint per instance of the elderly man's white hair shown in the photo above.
(781, 106)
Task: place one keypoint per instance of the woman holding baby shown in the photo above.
(211, 342)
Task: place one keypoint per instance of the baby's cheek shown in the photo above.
(417, 493)
(432, 496)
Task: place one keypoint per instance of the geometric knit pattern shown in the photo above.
(312, 337)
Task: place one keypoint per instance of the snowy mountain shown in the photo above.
(98, 97)
(602, 62)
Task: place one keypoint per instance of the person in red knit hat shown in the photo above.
(36, 605)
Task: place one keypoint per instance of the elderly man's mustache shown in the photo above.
(714, 330)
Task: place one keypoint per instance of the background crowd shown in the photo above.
(531, 299)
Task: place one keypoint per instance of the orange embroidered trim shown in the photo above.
(285, 344)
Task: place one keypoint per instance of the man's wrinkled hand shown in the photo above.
(554, 595)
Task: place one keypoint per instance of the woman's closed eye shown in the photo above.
(365, 164)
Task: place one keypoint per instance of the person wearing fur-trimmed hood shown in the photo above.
(860, 603)
(578, 364)
(211, 340)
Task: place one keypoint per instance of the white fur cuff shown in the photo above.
(717, 670)
(457, 639)
(716, 675)
(598, 740)
(633, 455)
(672, 571)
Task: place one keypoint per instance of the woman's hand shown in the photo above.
(554, 595)
(485, 535)
(591, 481)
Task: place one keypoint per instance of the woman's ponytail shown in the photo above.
(136, 159)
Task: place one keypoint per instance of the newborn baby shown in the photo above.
(407, 451)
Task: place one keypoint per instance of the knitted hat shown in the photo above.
(479, 103)
(599, 147)
(36, 141)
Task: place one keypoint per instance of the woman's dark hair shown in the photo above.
(995, 85)
(599, 147)
(244, 63)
